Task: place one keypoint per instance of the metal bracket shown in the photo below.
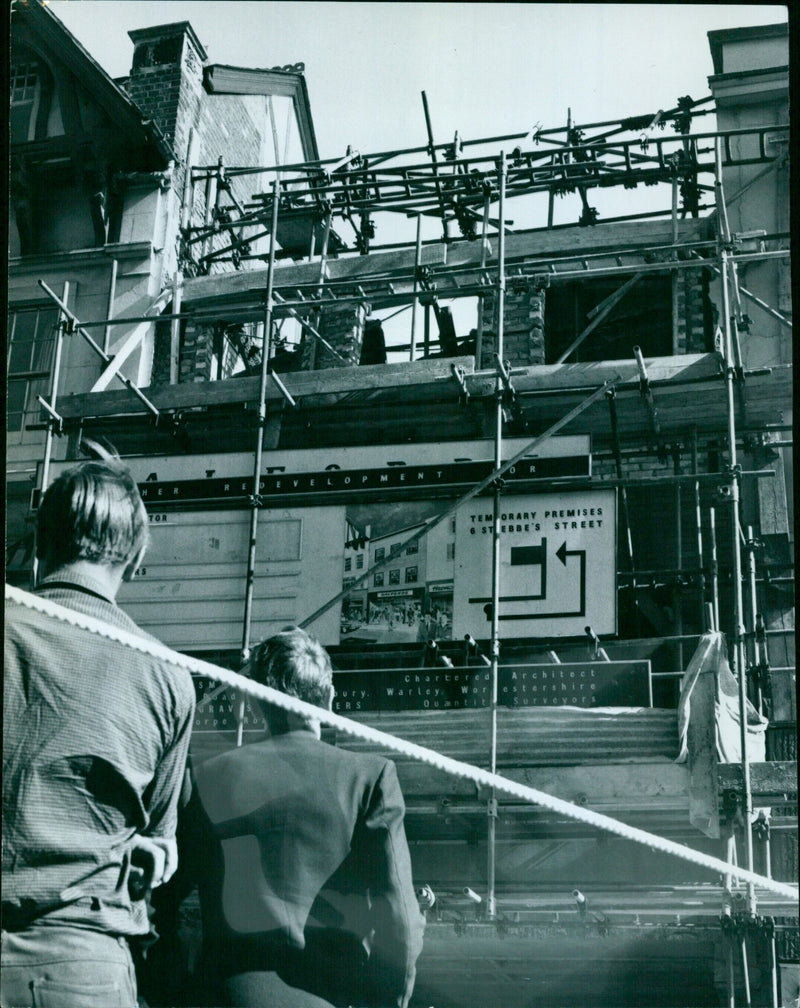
(732, 800)
(459, 375)
(491, 808)
(56, 419)
(504, 372)
(761, 828)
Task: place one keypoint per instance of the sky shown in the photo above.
(487, 69)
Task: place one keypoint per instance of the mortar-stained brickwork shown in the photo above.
(693, 311)
(166, 83)
(343, 328)
(523, 325)
(227, 126)
(196, 352)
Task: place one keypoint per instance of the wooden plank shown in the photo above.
(776, 780)
(329, 381)
(525, 244)
(534, 736)
(591, 374)
(624, 785)
(701, 757)
(120, 355)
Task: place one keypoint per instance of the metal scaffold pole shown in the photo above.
(698, 530)
(48, 442)
(255, 500)
(415, 302)
(731, 371)
(491, 908)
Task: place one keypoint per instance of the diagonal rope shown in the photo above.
(16, 596)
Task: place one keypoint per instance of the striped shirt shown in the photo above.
(95, 738)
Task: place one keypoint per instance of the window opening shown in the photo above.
(25, 90)
(31, 339)
(642, 318)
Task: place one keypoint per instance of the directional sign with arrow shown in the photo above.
(557, 565)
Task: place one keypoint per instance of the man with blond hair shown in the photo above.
(95, 740)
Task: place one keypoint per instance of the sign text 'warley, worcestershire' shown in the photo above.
(573, 684)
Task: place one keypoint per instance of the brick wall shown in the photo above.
(343, 328)
(693, 311)
(523, 325)
(231, 127)
(196, 350)
(166, 82)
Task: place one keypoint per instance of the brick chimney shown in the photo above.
(166, 79)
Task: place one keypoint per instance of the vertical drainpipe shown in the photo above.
(255, 499)
(48, 441)
(491, 902)
(734, 484)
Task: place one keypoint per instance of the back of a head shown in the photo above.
(295, 663)
(93, 512)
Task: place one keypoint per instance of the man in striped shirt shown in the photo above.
(95, 740)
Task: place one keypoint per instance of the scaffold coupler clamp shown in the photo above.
(732, 813)
(504, 373)
(498, 483)
(460, 377)
(255, 500)
(54, 419)
(761, 826)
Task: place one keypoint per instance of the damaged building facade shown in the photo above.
(191, 282)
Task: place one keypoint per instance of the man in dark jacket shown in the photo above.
(305, 877)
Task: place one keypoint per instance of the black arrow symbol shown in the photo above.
(562, 553)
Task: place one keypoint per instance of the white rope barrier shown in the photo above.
(430, 756)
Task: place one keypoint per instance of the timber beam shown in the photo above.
(769, 782)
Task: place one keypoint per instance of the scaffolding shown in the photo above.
(462, 190)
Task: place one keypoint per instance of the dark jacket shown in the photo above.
(304, 869)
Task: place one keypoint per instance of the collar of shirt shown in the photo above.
(80, 582)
